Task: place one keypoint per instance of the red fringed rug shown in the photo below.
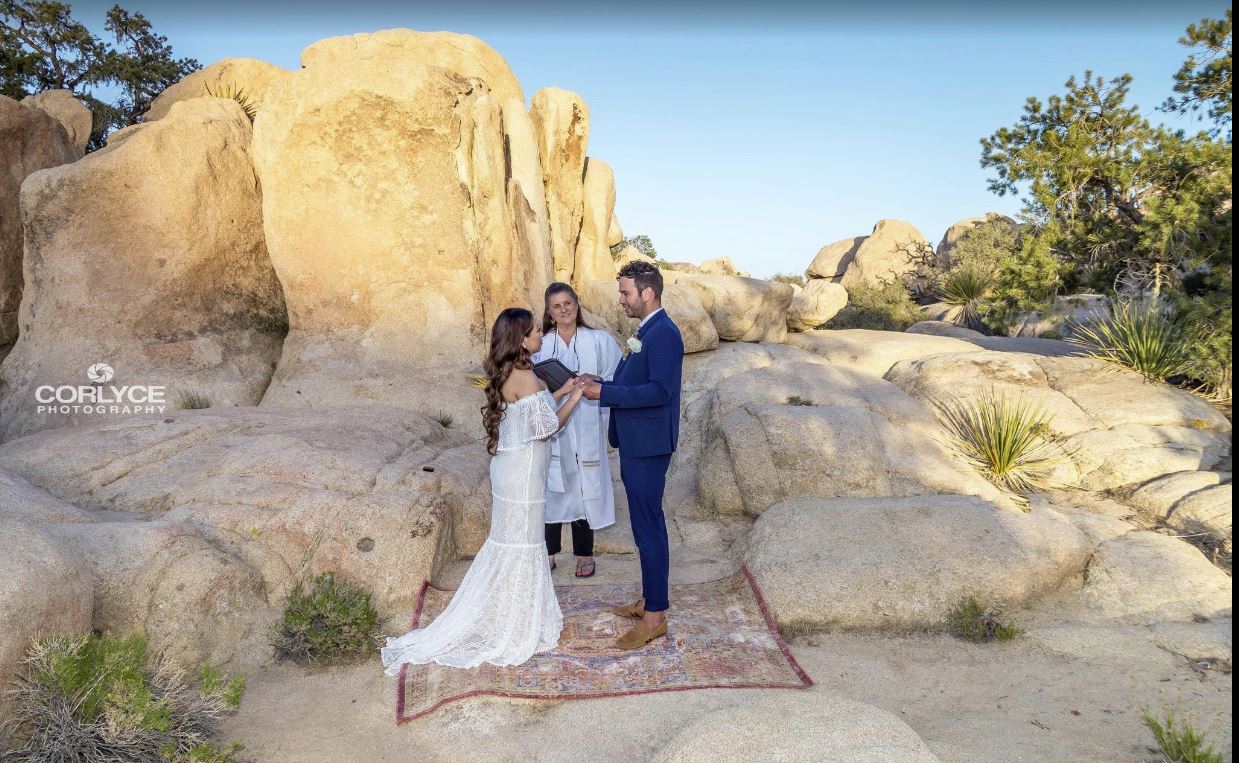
(720, 636)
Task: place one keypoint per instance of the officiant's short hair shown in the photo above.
(644, 274)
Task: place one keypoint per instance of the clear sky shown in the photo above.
(767, 130)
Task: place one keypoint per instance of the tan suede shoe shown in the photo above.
(640, 635)
(636, 610)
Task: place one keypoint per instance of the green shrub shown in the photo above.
(231, 92)
(102, 698)
(1009, 441)
(332, 622)
(967, 289)
(444, 420)
(1139, 334)
(970, 621)
(1207, 314)
(888, 307)
(194, 400)
(791, 278)
(1179, 741)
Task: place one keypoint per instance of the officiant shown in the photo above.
(578, 485)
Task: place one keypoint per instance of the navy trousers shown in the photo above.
(644, 480)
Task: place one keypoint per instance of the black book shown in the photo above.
(554, 373)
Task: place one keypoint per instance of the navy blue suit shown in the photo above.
(644, 398)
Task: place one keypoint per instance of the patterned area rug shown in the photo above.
(720, 636)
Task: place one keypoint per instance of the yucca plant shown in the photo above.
(1178, 741)
(1140, 334)
(966, 290)
(1008, 440)
(230, 91)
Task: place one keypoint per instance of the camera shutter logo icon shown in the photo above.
(100, 373)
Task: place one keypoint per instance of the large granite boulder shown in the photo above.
(147, 256)
(45, 587)
(786, 727)
(244, 79)
(682, 303)
(255, 496)
(885, 254)
(807, 429)
(1121, 429)
(875, 352)
(592, 260)
(394, 224)
(901, 563)
(832, 260)
(31, 139)
(743, 309)
(561, 127)
(67, 110)
(815, 304)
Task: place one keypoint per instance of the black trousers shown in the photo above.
(582, 538)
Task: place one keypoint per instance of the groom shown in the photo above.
(644, 398)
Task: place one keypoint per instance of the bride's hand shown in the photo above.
(566, 389)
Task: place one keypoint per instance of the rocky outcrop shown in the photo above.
(69, 111)
(899, 563)
(561, 126)
(592, 259)
(400, 235)
(31, 139)
(243, 79)
(797, 429)
(743, 309)
(815, 304)
(874, 352)
(885, 254)
(147, 256)
(1121, 429)
(827, 727)
(832, 260)
(196, 525)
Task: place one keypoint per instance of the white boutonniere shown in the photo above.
(634, 344)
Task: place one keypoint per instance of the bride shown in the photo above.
(505, 609)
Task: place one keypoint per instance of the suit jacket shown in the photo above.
(644, 396)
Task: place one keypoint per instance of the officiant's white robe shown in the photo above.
(578, 484)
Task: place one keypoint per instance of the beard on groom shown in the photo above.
(644, 398)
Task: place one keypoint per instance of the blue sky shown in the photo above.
(765, 131)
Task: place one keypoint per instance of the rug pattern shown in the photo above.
(720, 636)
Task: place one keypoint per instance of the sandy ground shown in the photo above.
(1013, 701)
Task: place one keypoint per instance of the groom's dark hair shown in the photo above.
(644, 275)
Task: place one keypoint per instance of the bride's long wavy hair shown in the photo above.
(507, 352)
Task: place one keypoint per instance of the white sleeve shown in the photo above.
(608, 356)
(543, 421)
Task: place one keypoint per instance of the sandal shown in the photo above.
(585, 568)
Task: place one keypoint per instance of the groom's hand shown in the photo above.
(593, 390)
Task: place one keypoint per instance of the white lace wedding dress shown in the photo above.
(505, 609)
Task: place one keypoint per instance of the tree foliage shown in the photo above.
(42, 47)
(1115, 203)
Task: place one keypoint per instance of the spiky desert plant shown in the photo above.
(194, 400)
(232, 92)
(970, 621)
(1008, 440)
(1140, 334)
(1179, 741)
(966, 290)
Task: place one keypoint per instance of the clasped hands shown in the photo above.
(585, 385)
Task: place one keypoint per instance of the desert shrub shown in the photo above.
(798, 400)
(1179, 741)
(103, 698)
(970, 621)
(888, 307)
(194, 400)
(791, 278)
(641, 243)
(1140, 334)
(444, 420)
(1206, 311)
(1007, 440)
(967, 289)
(334, 621)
